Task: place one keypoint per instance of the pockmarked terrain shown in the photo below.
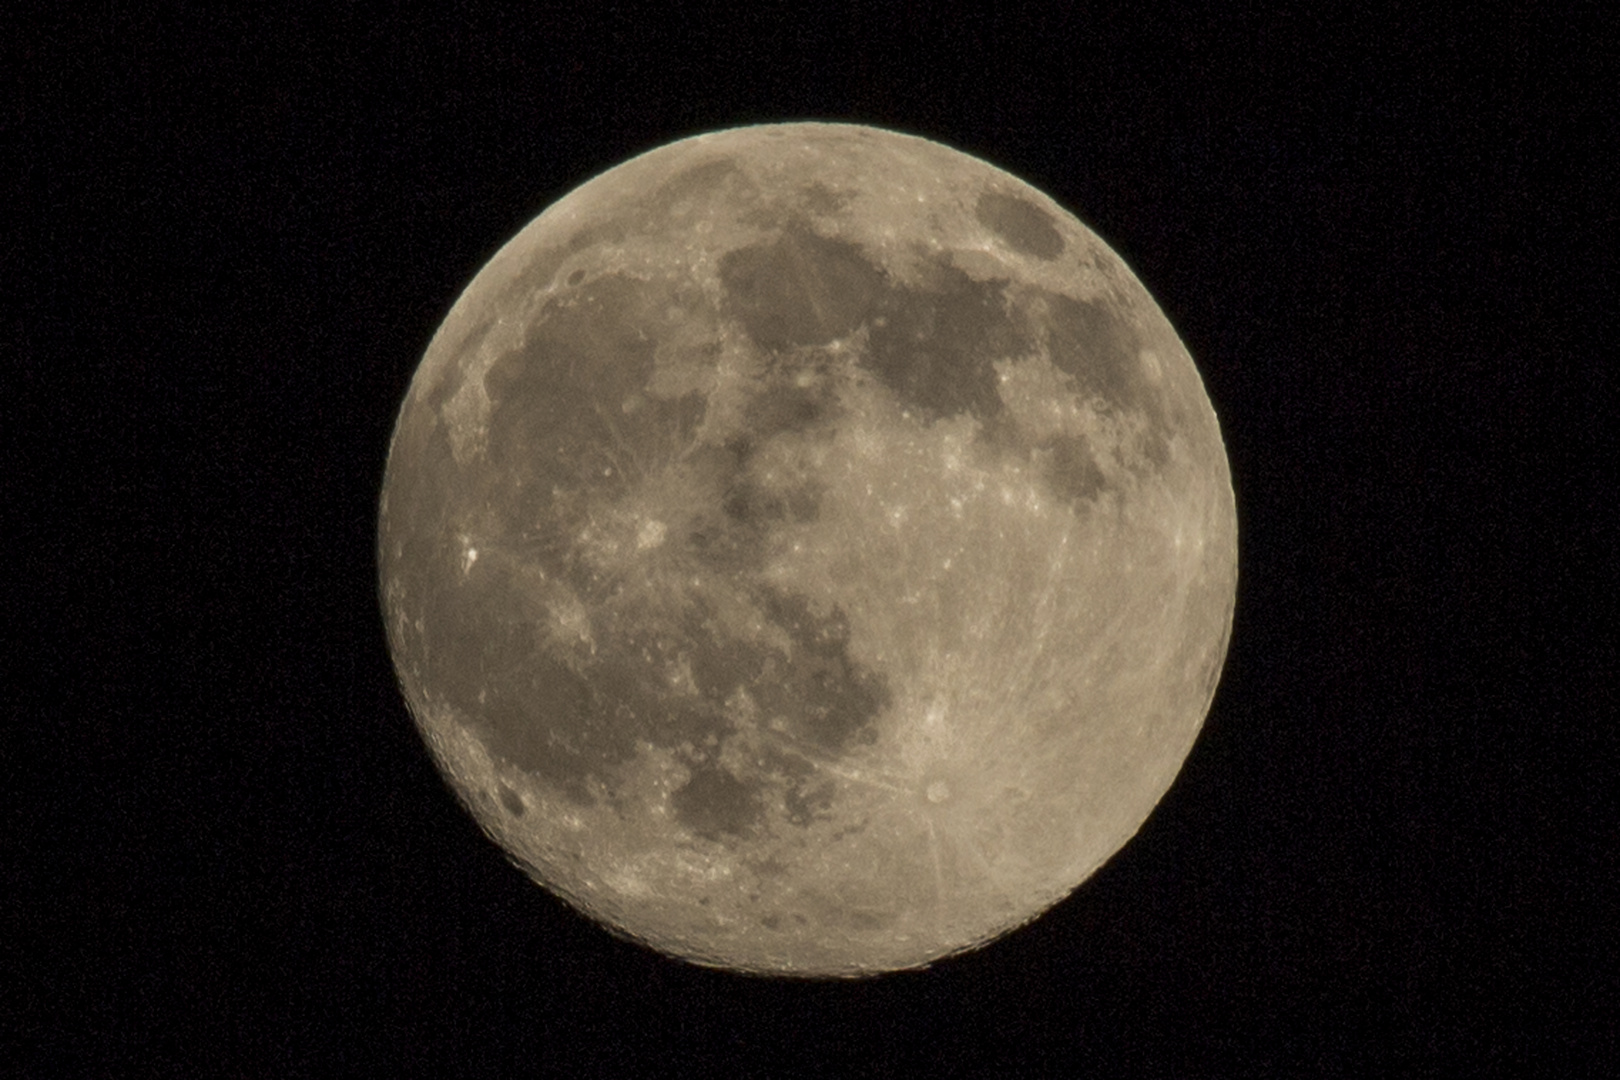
(808, 549)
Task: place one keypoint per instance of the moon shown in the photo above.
(808, 549)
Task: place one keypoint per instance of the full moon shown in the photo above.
(808, 549)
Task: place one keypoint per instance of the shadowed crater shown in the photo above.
(512, 802)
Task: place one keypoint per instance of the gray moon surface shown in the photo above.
(808, 549)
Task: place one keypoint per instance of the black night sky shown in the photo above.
(1382, 239)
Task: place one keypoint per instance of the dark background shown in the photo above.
(1387, 240)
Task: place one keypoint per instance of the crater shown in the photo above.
(807, 802)
(512, 801)
(1025, 227)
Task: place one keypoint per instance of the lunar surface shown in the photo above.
(808, 549)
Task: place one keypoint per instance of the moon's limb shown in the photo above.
(808, 549)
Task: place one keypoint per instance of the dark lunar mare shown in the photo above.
(1025, 227)
(561, 453)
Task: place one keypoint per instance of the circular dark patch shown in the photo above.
(1024, 226)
